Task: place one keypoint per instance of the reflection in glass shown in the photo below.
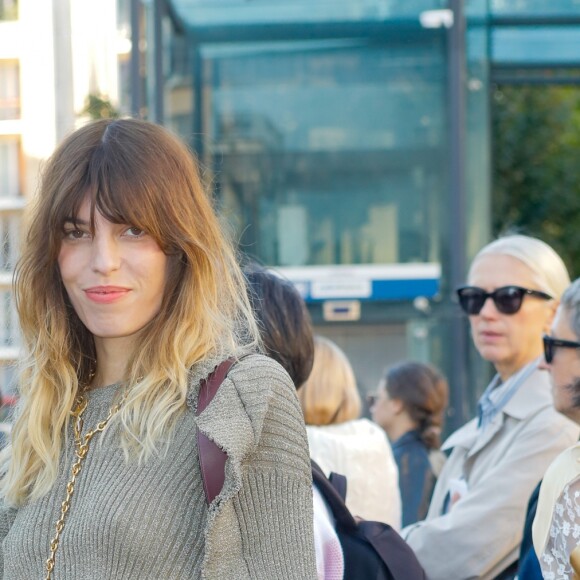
(329, 152)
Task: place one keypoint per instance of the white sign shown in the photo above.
(335, 287)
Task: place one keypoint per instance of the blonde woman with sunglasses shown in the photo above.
(474, 525)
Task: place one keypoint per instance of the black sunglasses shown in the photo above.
(507, 299)
(551, 343)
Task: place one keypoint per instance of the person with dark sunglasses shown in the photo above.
(551, 344)
(557, 521)
(474, 525)
(507, 299)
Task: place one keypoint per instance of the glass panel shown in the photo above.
(330, 152)
(9, 167)
(535, 45)
(478, 169)
(9, 90)
(476, 9)
(179, 94)
(535, 7)
(536, 75)
(208, 13)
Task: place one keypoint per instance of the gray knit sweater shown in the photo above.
(151, 521)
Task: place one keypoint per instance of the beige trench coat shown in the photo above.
(480, 536)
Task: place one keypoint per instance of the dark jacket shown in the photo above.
(416, 477)
(529, 568)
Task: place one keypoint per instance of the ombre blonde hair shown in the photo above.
(136, 173)
(330, 394)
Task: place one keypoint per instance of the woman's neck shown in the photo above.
(113, 356)
(505, 371)
(403, 424)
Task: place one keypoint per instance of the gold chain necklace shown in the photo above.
(81, 450)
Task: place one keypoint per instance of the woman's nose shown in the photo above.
(488, 309)
(105, 256)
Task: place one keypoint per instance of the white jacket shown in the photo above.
(360, 451)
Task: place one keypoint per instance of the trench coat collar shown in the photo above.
(533, 395)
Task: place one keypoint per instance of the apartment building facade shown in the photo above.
(53, 55)
(12, 180)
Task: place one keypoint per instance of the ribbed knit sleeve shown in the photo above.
(272, 503)
(6, 518)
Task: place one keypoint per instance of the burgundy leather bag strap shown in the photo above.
(212, 459)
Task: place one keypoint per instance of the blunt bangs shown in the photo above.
(120, 196)
(126, 180)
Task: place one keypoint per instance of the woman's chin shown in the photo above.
(491, 353)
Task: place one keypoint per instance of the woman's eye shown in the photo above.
(74, 234)
(135, 232)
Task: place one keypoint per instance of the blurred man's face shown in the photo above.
(565, 369)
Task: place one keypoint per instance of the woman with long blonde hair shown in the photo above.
(129, 297)
(342, 442)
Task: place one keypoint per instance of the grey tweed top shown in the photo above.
(150, 521)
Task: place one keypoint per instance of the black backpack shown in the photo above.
(372, 550)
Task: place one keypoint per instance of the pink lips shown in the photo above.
(488, 336)
(106, 294)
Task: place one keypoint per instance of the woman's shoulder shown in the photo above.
(564, 469)
(370, 431)
(562, 474)
(246, 369)
(258, 367)
(263, 386)
(359, 438)
(254, 386)
(356, 427)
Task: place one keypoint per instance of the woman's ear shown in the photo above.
(398, 406)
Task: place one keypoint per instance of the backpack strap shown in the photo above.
(212, 459)
(397, 555)
(333, 497)
(338, 481)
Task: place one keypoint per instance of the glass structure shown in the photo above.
(348, 145)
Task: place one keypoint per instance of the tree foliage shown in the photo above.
(536, 157)
(99, 107)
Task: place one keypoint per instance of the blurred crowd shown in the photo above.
(474, 506)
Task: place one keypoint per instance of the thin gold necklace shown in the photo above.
(81, 449)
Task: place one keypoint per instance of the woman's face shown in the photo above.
(115, 278)
(509, 341)
(383, 409)
(564, 368)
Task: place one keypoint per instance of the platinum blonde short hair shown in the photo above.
(550, 272)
